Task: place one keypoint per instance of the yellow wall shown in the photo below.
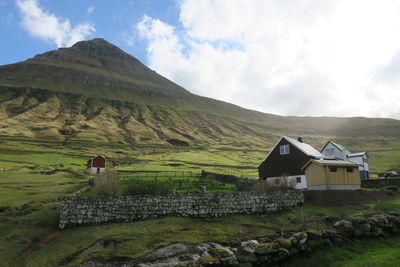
(315, 174)
(321, 175)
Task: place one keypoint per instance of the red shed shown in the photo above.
(96, 165)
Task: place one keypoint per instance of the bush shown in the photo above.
(392, 188)
(148, 188)
(272, 185)
(106, 183)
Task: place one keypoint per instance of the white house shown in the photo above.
(332, 149)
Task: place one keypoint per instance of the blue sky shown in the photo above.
(287, 57)
(113, 20)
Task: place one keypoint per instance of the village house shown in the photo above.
(337, 151)
(325, 174)
(286, 159)
(96, 165)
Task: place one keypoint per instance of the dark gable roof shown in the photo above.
(305, 148)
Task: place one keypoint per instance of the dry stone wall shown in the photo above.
(379, 183)
(86, 210)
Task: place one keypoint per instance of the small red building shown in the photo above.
(96, 164)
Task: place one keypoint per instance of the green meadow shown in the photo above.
(35, 173)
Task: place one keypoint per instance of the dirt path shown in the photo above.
(21, 258)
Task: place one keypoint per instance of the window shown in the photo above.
(329, 151)
(284, 149)
(333, 169)
(298, 180)
(349, 169)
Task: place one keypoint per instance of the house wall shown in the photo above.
(337, 153)
(363, 160)
(321, 178)
(99, 162)
(342, 177)
(277, 165)
(315, 175)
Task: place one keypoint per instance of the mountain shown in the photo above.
(95, 91)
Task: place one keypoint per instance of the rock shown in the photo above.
(245, 253)
(345, 226)
(314, 234)
(223, 254)
(284, 243)
(362, 230)
(283, 253)
(315, 243)
(206, 261)
(264, 240)
(249, 245)
(301, 237)
(266, 248)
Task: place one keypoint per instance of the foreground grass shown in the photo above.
(383, 252)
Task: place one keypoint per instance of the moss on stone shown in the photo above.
(266, 248)
(284, 243)
(219, 253)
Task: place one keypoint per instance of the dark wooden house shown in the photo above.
(286, 160)
(96, 164)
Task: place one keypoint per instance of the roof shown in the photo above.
(329, 162)
(305, 148)
(96, 157)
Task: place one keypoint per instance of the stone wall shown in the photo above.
(86, 210)
(379, 183)
(264, 251)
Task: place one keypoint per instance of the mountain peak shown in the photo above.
(98, 47)
(89, 67)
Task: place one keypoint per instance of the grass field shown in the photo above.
(35, 173)
(383, 252)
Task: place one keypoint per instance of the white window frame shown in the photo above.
(284, 149)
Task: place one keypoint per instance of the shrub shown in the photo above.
(148, 188)
(392, 188)
(106, 183)
(273, 185)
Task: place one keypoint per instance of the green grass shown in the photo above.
(383, 252)
(36, 172)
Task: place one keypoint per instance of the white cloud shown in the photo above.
(289, 57)
(42, 24)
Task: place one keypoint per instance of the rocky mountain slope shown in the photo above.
(95, 91)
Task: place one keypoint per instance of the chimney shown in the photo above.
(300, 139)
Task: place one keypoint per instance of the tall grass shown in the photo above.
(106, 183)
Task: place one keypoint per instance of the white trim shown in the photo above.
(335, 187)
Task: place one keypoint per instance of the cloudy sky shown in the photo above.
(288, 57)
